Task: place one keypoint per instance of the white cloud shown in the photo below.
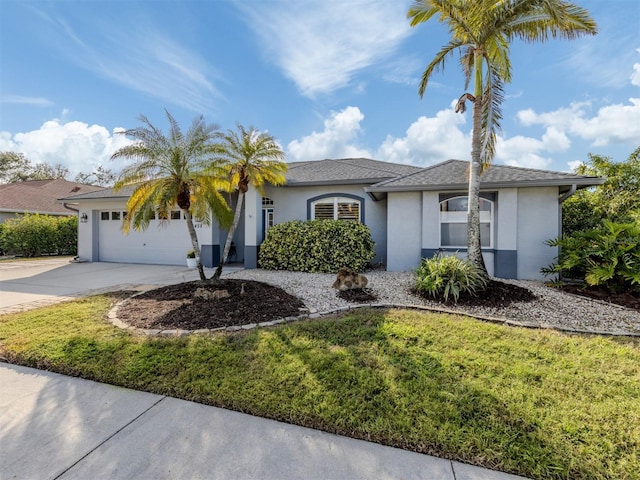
(141, 58)
(429, 140)
(321, 44)
(19, 99)
(573, 165)
(615, 123)
(76, 145)
(335, 141)
(635, 75)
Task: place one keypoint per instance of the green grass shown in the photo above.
(536, 403)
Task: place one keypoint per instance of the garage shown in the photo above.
(165, 241)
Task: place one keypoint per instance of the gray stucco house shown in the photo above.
(412, 213)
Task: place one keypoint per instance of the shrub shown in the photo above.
(442, 276)
(319, 246)
(66, 235)
(608, 255)
(30, 235)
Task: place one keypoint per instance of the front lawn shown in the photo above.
(532, 402)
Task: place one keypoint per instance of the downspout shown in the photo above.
(65, 205)
(568, 194)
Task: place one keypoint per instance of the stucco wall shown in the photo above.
(523, 220)
(290, 203)
(538, 212)
(164, 243)
(404, 230)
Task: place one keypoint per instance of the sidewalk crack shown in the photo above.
(107, 439)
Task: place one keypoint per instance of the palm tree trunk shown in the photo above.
(232, 230)
(194, 243)
(474, 248)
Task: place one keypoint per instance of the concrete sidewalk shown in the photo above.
(58, 427)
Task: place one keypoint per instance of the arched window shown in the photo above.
(336, 208)
(453, 222)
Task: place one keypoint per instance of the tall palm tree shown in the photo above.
(482, 31)
(253, 158)
(173, 169)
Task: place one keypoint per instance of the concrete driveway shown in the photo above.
(30, 284)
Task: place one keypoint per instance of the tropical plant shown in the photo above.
(318, 246)
(174, 169)
(608, 255)
(252, 158)
(445, 275)
(616, 200)
(482, 30)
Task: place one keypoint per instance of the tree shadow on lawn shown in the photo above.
(358, 377)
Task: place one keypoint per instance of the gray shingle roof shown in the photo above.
(345, 171)
(452, 175)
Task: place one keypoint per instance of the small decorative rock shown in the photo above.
(347, 279)
(211, 295)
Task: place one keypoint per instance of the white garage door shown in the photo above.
(162, 243)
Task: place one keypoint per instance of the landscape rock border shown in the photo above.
(312, 314)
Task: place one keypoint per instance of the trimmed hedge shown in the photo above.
(317, 246)
(30, 235)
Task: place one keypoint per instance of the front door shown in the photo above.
(267, 221)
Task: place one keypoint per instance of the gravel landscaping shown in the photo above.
(551, 309)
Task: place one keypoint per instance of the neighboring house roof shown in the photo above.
(452, 175)
(345, 171)
(40, 196)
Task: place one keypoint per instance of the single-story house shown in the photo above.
(40, 196)
(412, 213)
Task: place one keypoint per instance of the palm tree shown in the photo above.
(253, 158)
(481, 31)
(174, 169)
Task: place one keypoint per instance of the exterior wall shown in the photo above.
(523, 219)
(538, 211)
(164, 243)
(404, 237)
(290, 203)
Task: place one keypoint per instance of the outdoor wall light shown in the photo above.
(84, 218)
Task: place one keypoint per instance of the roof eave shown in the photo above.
(580, 182)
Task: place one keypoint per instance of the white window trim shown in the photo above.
(461, 217)
(336, 201)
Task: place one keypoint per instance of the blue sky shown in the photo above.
(329, 79)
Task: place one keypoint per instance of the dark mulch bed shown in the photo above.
(174, 306)
(496, 295)
(358, 295)
(626, 299)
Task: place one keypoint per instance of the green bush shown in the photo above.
(67, 235)
(442, 276)
(31, 235)
(319, 246)
(608, 255)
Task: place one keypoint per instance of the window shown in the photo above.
(176, 215)
(336, 208)
(115, 215)
(453, 222)
(104, 215)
